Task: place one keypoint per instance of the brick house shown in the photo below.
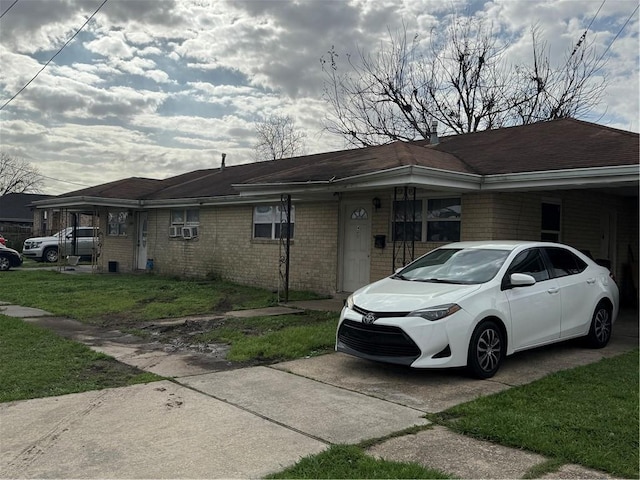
(356, 215)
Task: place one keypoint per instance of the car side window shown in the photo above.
(564, 262)
(531, 263)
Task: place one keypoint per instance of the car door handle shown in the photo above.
(591, 281)
(553, 291)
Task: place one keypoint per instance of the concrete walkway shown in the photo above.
(250, 422)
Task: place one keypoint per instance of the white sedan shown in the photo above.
(473, 303)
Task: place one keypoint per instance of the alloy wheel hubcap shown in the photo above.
(602, 325)
(488, 350)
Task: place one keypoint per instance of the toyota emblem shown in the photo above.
(369, 318)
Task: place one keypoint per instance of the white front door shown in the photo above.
(357, 246)
(142, 240)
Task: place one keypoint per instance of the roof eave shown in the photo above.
(411, 175)
(86, 202)
(622, 175)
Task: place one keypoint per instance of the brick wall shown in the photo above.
(225, 248)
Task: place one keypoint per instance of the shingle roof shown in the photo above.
(131, 188)
(553, 145)
(14, 207)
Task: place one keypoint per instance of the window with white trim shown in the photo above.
(117, 223)
(550, 221)
(267, 221)
(443, 219)
(181, 218)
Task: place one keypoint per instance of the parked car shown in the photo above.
(473, 303)
(9, 258)
(47, 249)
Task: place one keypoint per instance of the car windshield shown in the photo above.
(455, 265)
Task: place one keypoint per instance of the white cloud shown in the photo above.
(159, 87)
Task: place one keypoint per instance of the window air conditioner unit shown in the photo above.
(189, 232)
(175, 232)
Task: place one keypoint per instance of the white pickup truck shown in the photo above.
(47, 249)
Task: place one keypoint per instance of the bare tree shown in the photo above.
(18, 176)
(461, 80)
(279, 138)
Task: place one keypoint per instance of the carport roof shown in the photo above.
(546, 147)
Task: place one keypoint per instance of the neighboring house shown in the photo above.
(359, 214)
(17, 218)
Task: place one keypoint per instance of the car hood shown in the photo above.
(396, 295)
(7, 249)
(42, 239)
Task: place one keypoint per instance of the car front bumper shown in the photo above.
(404, 340)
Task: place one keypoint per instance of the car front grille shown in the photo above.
(377, 340)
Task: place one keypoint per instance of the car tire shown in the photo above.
(5, 263)
(50, 255)
(486, 350)
(601, 327)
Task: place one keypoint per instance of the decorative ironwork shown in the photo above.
(285, 247)
(404, 220)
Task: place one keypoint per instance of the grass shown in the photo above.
(587, 415)
(349, 461)
(283, 337)
(36, 363)
(112, 299)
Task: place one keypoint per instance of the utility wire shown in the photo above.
(619, 32)
(16, 1)
(584, 35)
(56, 54)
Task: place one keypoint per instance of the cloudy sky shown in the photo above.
(154, 88)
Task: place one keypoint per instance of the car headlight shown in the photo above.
(349, 302)
(436, 313)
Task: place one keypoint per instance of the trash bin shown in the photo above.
(149, 263)
(113, 267)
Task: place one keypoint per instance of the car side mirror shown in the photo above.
(521, 280)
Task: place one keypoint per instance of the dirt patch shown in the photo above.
(182, 338)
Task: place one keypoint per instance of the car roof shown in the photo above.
(501, 244)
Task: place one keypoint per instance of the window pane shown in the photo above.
(285, 229)
(407, 231)
(443, 231)
(407, 211)
(564, 262)
(530, 262)
(444, 208)
(177, 216)
(551, 217)
(407, 224)
(262, 230)
(193, 216)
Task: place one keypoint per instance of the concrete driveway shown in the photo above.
(250, 422)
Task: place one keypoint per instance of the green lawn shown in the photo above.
(587, 415)
(112, 299)
(349, 461)
(37, 363)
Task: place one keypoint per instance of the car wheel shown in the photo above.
(486, 350)
(5, 263)
(601, 327)
(50, 255)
